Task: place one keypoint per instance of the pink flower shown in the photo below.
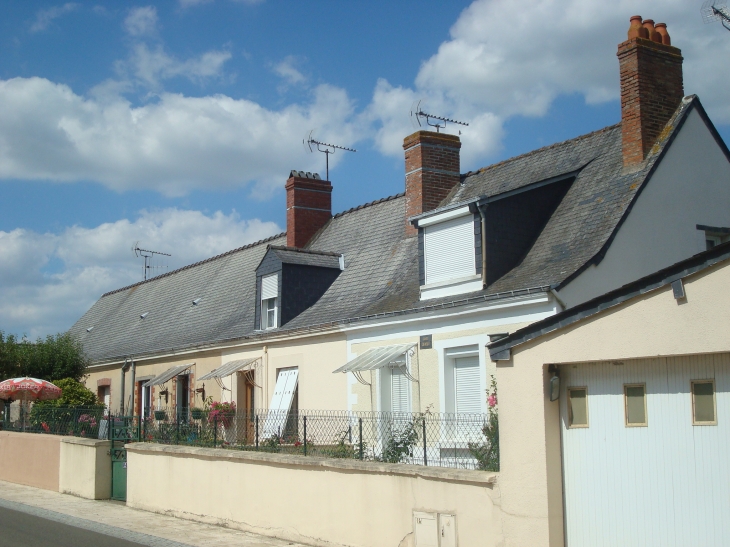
(45, 427)
(492, 400)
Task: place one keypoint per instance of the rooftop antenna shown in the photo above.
(310, 144)
(714, 10)
(417, 114)
(147, 255)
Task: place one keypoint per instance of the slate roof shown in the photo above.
(381, 263)
(304, 257)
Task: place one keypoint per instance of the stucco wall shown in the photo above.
(30, 459)
(654, 324)
(85, 468)
(312, 500)
(690, 186)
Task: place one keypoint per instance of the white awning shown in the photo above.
(229, 368)
(378, 358)
(168, 375)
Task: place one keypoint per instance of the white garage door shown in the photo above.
(665, 483)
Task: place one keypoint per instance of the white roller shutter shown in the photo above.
(399, 386)
(466, 380)
(269, 286)
(449, 250)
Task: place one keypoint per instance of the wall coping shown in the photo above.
(86, 441)
(7, 433)
(483, 478)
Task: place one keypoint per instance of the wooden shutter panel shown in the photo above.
(449, 250)
(466, 379)
(269, 286)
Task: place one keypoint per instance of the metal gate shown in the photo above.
(123, 430)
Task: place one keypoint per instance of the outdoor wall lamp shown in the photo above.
(554, 387)
(164, 392)
(201, 390)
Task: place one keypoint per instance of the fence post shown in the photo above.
(139, 428)
(177, 429)
(257, 431)
(425, 457)
(361, 445)
(305, 435)
(215, 431)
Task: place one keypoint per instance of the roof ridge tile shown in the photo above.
(370, 204)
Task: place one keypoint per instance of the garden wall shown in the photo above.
(314, 500)
(85, 468)
(30, 459)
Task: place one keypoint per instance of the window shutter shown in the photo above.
(286, 385)
(466, 378)
(449, 250)
(399, 391)
(269, 286)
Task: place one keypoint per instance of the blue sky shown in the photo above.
(176, 123)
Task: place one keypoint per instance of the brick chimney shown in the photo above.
(651, 86)
(432, 170)
(308, 206)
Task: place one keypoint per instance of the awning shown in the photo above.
(378, 358)
(230, 368)
(168, 375)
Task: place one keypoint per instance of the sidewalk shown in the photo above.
(117, 520)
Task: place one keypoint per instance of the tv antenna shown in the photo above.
(417, 114)
(147, 255)
(713, 10)
(310, 143)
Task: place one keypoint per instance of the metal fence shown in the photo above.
(465, 441)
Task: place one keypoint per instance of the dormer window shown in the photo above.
(269, 301)
(449, 264)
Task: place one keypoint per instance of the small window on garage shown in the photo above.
(578, 407)
(635, 405)
(703, 402)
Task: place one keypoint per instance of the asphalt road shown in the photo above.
(19, 529)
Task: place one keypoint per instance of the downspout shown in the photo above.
(559, 300)
(484, 244)
(134, 386)
(121, 391)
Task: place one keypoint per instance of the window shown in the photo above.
(146, 401)
(269, 301)
(464, 392)
(577, 407)
(635, 405)
(395, 389)
(712, 241)
(449, 250)
(703, 402)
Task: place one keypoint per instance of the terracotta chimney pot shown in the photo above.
(661, 29)
(635, 28)
(653, 35)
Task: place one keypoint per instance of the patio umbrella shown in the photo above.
(28, 389)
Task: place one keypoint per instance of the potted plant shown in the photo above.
(197, 413)
(160, 415)
(223, 414)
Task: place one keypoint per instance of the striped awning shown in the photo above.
(377, 358)
(230, 367)
(168, 375)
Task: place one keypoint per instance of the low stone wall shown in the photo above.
(30, 459)
(85, 468)
(318, 501)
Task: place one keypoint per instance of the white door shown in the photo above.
(656, 478)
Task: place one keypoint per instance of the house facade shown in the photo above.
(401, 296)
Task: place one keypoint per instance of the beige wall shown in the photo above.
(85, 468)
(30, 459)
(651, 325)
(312, 500)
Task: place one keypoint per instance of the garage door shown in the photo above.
(646, 452)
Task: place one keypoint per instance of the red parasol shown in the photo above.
(28, 389)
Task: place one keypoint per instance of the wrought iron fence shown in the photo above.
(467, 441)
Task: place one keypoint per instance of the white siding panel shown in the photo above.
(466, 383)
(665, 484)
(269, 286)
(449, 250)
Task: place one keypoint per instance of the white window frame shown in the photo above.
(441, 346)
(265, 310)
(568, 398)
(714, 400)
(385, 388)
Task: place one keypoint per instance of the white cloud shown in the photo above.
(45, 17)
(502, 62)
(176, 144)
(141, 21)
(95, 260)
(286, 70)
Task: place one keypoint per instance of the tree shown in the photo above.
(56, 357)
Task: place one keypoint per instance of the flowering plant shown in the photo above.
(222, 413)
